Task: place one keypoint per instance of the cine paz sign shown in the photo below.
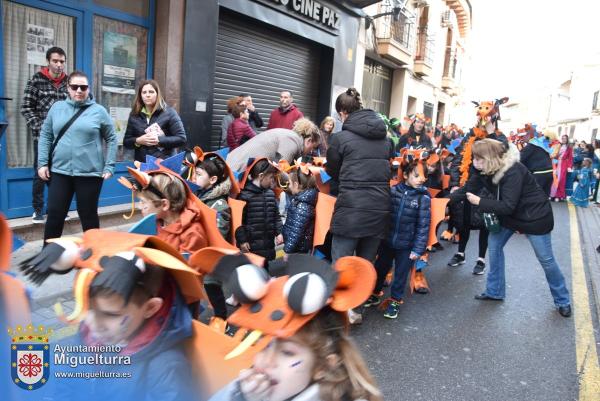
(313, 10)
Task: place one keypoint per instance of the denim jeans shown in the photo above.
(402, 266)
(345, 246)
(542, 246)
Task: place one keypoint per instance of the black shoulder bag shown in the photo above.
(491, 221)
(62, 132)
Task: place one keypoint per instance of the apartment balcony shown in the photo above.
(394, 40)
(449, 75)
(423, 55)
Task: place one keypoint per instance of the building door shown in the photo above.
(27, 33)
(114, 49)
(261, 61)
(377, 86)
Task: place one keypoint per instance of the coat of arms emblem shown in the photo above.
(30, 356)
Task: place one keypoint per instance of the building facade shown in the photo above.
(413, 57)
(200, 51)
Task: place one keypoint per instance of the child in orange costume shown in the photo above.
(132, 291)
(303, 311)
(178, 215)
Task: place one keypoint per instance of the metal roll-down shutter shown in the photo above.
(262, 62)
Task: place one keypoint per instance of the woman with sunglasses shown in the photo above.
(153, 128)
(75, 163)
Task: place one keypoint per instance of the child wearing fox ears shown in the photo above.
(178, 217)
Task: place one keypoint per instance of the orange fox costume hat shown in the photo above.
(101, 250)
(142, 180)
(487, 111)
(200, 156)
(303, 285)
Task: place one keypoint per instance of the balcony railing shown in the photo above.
(425, 47)
(399, 31)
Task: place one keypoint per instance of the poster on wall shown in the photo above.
(119, 57)
(39, 40)
(120, 116)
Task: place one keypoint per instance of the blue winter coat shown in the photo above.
(79, 152)
(411, 217)
(300, 222)
(159, 371)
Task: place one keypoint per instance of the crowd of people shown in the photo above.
(383, 175)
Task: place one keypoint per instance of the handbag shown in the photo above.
(491, 221)
(62, 132)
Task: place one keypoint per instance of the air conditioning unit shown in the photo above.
(446, 21)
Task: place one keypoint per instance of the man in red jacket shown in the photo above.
(286, 114)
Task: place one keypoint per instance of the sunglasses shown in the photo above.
(75, 87)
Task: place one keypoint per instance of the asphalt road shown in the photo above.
(448, 346)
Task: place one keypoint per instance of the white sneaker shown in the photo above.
(38, 218)
(232, 301)
(354, 317)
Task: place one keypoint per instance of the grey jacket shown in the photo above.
(274, 144)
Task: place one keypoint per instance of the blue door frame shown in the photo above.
(15, 183)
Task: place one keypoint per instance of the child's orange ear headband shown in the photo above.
(198, 155)
(284, 167)
(88, 255)
(281, 306)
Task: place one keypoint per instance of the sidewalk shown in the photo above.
(589, 229)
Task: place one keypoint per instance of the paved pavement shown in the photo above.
(448, 346)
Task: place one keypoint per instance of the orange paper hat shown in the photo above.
(409, 155)
(200, 156)
(90, 253)
(281, 306)
(143, 180)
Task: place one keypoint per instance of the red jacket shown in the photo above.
(285, 119)
(239, 131)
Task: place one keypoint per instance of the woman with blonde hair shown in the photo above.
(277, 144)
(520, 205)
(153, 127)
(325, 130)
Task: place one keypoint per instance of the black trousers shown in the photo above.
(37, 189)
(465, 234)
(60, 194)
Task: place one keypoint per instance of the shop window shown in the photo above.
(139, 8)
(120, 58)
(28, 33)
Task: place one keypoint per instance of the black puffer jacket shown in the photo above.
(463, 215)
(411, 217)
(261, 222)
(169, 122)
(299, 225)
(358, 158)
(523, 205)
